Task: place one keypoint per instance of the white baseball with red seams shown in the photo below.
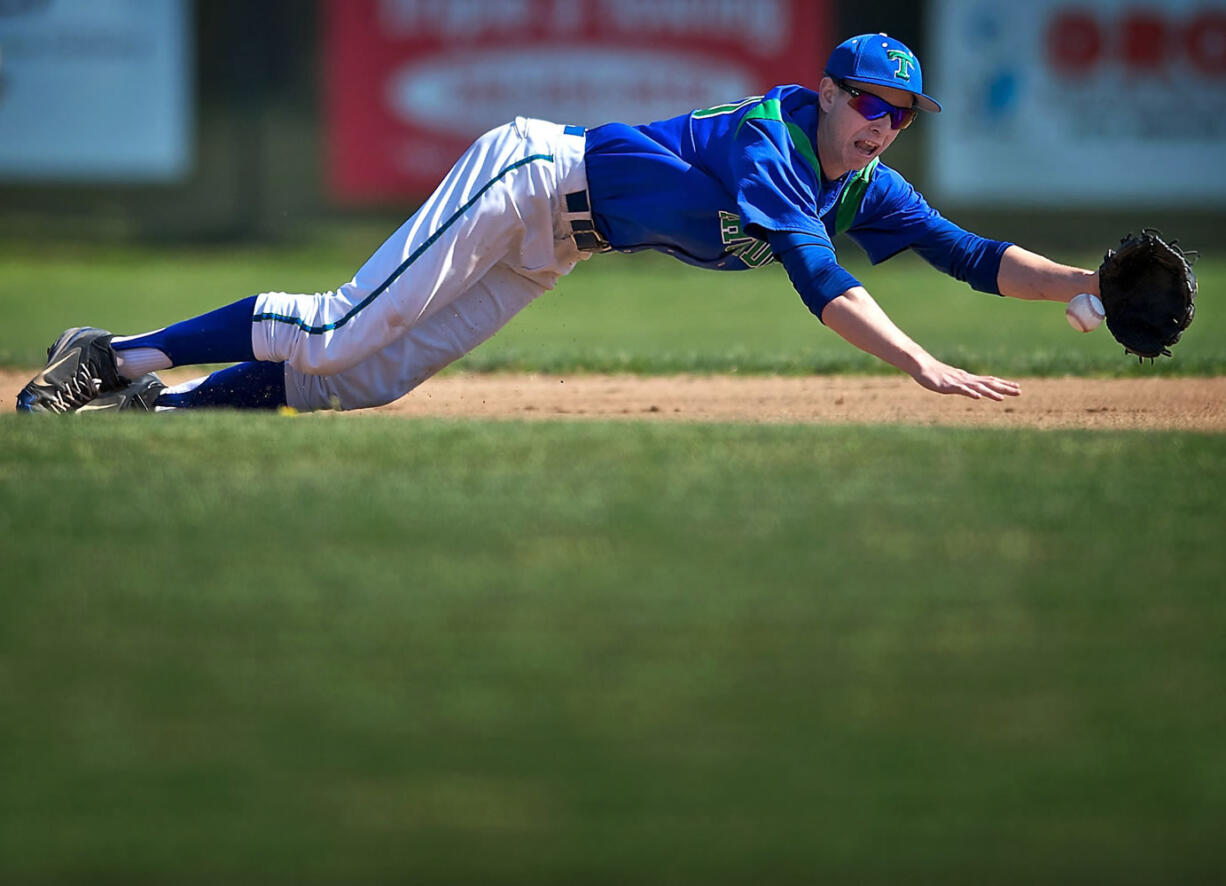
(1085, 312)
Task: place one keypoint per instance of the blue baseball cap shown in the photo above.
(884, 61)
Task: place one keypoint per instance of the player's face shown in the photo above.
(846, 140)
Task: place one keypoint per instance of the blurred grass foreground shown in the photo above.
(344, 649)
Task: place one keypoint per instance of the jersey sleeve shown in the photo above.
(810, 264)
(775, 185)
(893, 216)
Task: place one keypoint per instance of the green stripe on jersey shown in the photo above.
(768, 109)
(852, 196)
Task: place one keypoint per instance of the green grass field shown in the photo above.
(344, 648)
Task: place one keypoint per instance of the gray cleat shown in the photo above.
(80, 366)
(139, 395)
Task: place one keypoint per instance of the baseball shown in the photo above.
(1085, 312)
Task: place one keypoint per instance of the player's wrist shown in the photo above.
(1089, 281)
(916, 362)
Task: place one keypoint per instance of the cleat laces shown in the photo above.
(77, 391)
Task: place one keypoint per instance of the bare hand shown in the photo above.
(860, 320)
(946, 379)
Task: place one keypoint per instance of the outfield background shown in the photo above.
(259, 97)
(341, 649)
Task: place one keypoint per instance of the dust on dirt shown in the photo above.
(1155, 403)
(1184, 403)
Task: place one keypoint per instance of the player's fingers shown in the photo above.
(964, 389)
(998, 390)
(1001, 386)
(980, 389)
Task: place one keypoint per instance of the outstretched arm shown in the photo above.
(857, 317)
(1027, 275)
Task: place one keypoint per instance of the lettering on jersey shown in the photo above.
(905, 61)
(755, 253)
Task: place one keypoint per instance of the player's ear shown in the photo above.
(827, 90)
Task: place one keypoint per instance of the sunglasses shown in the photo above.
(874, 107)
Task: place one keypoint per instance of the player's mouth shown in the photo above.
(866, 147)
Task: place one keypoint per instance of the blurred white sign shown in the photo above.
(1093, 102)
(94, 90)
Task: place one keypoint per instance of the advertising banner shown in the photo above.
(410, 83)
(1078, 104)
(96, 91)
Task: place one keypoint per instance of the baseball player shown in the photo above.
(730, 188)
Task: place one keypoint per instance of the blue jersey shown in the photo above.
(736, 186)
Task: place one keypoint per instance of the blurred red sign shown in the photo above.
(410, 83)
(1142, 39)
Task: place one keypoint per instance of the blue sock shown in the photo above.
(253, 385)
(221, 336)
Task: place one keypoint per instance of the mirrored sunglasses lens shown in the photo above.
(872, 107)
(869, 106)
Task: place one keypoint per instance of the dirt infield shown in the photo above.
(1158, 403)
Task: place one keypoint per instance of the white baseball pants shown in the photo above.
(491, 238)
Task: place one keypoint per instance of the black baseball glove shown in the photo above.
(1148, 292)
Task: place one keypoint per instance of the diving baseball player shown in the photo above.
(729, 188)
